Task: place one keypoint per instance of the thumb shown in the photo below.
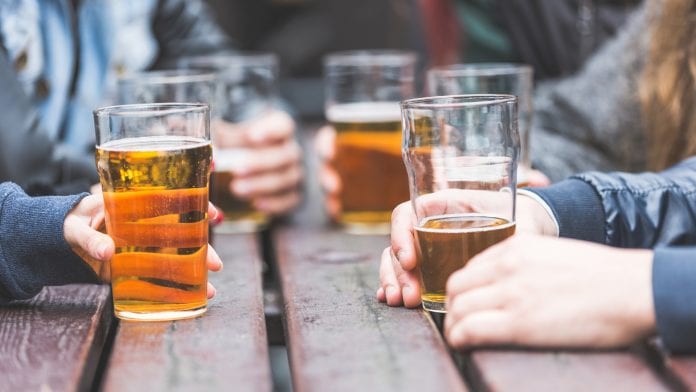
(95, 248)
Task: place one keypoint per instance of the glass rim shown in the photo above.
(169, 76)
(222, 61)
(482, 69)
(457, 101)
(370, 57)
(149, 109)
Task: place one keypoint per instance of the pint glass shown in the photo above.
(154, 163)
(246, 89)
(363, 90)
(461, 156)
(492, 78)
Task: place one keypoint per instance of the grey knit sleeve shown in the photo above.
(591, 120)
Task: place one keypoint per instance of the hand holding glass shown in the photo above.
(458, 148)
(154, 165)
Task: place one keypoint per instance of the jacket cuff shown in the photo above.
(577, 208)
(673, 277)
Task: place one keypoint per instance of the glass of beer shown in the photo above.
(363, 91)
(154, 166)
(492, 78)
(461, 157)
(246, 89)
(167, 86)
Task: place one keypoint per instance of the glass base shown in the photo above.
(436, 305)
(160, 316)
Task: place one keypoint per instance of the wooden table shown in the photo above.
(339, 338)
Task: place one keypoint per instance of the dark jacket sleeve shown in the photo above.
(186, 28)
(33, 250)
(649, 210)
(674, 296)
(28, 156)
(635, 210)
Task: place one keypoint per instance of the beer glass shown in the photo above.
(246, 89)
(461, 156)
(492, 78)
(363, 90)
(167, 86)
(154, 163)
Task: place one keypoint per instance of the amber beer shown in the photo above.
(156, 200)
(446, 243)
(368, 161)
(240, 215)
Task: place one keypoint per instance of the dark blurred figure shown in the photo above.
(554, 36)
(301, 32)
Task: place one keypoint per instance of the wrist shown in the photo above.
(539, 215)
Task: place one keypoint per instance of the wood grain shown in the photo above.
(225, 349)
(339, 337)
(53, 341)
(562, 371)
(684, 368)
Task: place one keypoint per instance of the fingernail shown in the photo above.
(222, 265)
(401, 254)
(101, 250)
(219, 217)
(407, 290)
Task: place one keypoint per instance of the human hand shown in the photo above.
(535, 178)
(330, 181)
(548, 292)
(271, 173)
(81, 231)
(399, 282)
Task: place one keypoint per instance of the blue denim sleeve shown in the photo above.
(33, 250)
(674, 297)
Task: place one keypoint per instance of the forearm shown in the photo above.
(33, 251)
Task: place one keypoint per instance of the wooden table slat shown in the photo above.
(53, 341)
(339, 337)
(563, 371)
(225, 349)
(684, 368)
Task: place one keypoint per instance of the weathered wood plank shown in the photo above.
(562, 371)
(225, 349)
(684, 368)
(53, 341)
(339, 337)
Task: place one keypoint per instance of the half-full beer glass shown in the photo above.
(246, 90)
(461, 157)
(154, 164)
(363, 90)
(492, 78)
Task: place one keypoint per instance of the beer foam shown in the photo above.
(364, 112)
(153, 143)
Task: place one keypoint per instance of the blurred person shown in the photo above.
(555, 37)
(630, 108)
(631, 276)
(54, 240)
(59, 61)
